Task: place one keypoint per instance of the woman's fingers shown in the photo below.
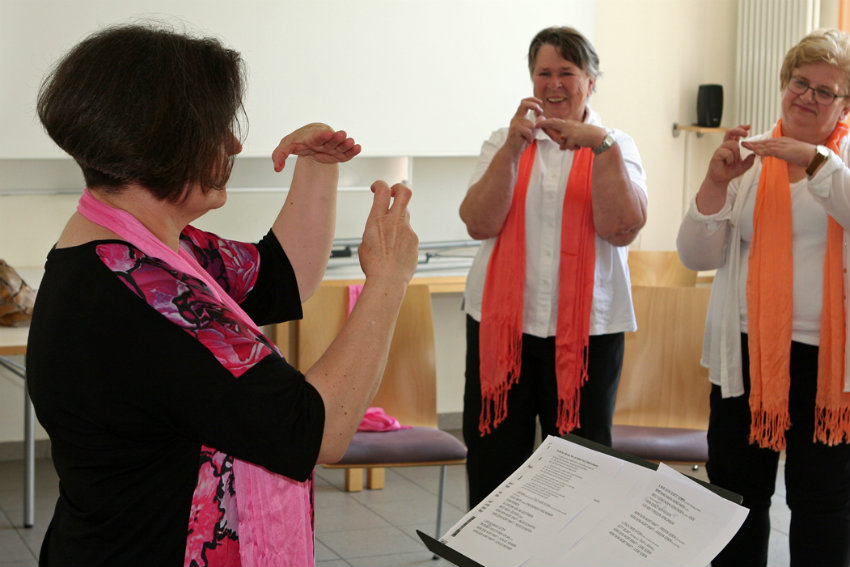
(531, 103)
(381, 200)
(401, 197)
(389, 199)
(389, 246)
(736, 133)
(318, 141)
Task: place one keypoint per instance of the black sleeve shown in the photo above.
(274, 297)
(270, 416)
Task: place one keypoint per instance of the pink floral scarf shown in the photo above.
(272, 518)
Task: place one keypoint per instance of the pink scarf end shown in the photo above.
(275, 525)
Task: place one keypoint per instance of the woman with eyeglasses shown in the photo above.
(775, 226)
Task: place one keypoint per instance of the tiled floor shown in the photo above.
(374, 528)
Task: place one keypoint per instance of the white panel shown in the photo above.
(403, 77)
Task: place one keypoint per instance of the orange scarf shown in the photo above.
(770, 311)
(500, 348)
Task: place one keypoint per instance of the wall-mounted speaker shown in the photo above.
(709, 105)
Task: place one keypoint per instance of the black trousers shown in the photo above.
(817, 477)
(493, 457)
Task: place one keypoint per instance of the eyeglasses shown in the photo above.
(799, 86)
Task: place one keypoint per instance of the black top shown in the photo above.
(125, 378)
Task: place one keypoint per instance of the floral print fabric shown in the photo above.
(185, 301)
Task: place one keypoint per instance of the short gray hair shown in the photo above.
(571, 45)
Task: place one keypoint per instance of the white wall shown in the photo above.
(654, 54)
(378, 68)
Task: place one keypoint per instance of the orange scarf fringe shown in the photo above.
(500, 344)
(770, 313)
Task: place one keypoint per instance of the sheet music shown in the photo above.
(571, 505)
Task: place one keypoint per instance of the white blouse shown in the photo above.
(721, 241)
(611, 310)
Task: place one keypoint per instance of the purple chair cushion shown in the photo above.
(414, 445)
(661, 443)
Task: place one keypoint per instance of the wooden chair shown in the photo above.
(659, 268)
(662, 401)
(408, 391)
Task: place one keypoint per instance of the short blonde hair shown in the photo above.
(822, 46)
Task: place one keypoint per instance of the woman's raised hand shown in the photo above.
(726, 163)
(318, 141)
(521, 131)
(390, 248)
(572, 134)
(788, 149)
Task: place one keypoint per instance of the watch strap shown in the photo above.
(607, 142)
(821, 155)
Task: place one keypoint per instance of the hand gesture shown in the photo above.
(788, 149)
(571, 134)
(521, 131)
(318, 141)
(390, 248)
(726, 163)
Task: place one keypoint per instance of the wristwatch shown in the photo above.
(821, 155)
(607, 142)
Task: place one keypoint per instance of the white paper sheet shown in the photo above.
(570, 505)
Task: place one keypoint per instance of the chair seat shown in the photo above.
(661, 443)
(419, 445)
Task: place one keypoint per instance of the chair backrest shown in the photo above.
(663, 383)
(659, 268)
(409, 388)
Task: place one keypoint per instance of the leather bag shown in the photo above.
(16, 298)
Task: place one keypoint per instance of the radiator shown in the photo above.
(767, 29)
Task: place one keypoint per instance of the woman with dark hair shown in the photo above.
(775, 224)
(556, 198)
(179, 432)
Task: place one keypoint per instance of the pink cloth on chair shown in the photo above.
(375, 419)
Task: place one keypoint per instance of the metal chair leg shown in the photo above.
(441, 490)
(29, 443)
(29, 463)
